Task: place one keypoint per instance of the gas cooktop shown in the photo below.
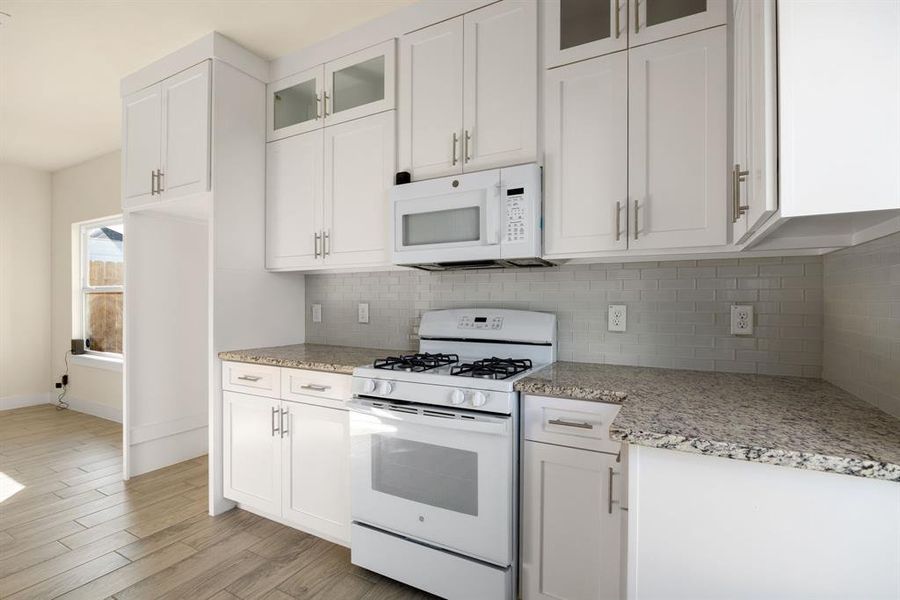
(484, 368)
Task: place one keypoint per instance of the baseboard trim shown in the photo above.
(23, 400)
(89, 407)
(162, 452)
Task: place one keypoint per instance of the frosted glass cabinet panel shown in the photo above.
(295, 104)
(579, 29)
(654, 20)
(359, 84)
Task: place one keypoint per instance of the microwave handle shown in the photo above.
(493, 217)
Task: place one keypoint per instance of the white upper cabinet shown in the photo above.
(754, 174)
(431, 100)
(839, 112)
(316, 469)
(294, 192)
(295, 104)
(500, 87)
(654, 20)
(185, 136)
(354, 86)
(166, 139)
(359, 84)
(586, 156)
(141, 143)
(678, 132)
(468, 91)
(578, 29)
(359, 165)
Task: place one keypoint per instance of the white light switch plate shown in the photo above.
(317, 313)
(617, 317)
(363, 312)
(741, 319)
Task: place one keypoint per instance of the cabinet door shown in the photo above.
(252, 447)
(141, 124)
(294, 192)
(500, 88)
(185, 133)
(753, 183)
(839, 93)
(677, 142)
(578, 29)
(360, 84)
(431, 95)
(572, 529)
(359, 167)
(654, 20)
(316, 470)
(586, 156)
(294, 104)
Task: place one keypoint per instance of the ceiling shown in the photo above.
(61, 60)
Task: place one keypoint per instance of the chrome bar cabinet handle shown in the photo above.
(249, 377)
(326, 243)
(466, 140)
(455, 142)
(153, 191)
(285, 418)
(582, 425)
(635, 219)
(315, 387)
(274, 423)
(159, 180)
(618, 10)
(318, 107)
(610, 503)
(618, 211)
(737, 177)
(316, 244)
(325, 103)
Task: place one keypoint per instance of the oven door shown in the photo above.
(447, 220)
(439, 476)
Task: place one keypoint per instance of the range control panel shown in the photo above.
(516, 214)
(470, 322)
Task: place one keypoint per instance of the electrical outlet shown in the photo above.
(741, 319)
(363, 312)
(617, 317)
(317, 313)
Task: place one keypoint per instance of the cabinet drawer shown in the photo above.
(297, 384)
(573, 423)
(259, 380)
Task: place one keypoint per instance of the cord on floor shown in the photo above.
(61, 403)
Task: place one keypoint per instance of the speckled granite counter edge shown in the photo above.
(572, 392)
(799, 460)
(287, 363)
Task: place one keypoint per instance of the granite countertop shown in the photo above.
(315, 357)
(790, 421)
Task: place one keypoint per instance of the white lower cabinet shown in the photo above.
(572, 499)
(252, 446)
(290, 459)
(316, 469)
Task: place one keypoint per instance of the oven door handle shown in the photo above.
(480, 424)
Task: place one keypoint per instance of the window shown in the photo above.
(101, 281)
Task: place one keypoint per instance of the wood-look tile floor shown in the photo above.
(76, 530)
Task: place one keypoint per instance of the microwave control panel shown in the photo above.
(516, 215)
(470, 322)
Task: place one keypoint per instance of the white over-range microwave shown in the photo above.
(479, 220)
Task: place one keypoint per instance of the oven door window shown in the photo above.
(442, 226)
(426, 473)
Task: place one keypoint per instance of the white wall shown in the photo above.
(86, 191)
(24, 286)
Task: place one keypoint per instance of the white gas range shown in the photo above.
(434, 452)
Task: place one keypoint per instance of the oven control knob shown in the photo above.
(478, 399)
(457, 397)
(385, 388)
(368, 386)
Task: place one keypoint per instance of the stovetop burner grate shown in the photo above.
(415, 362)
(492, 368)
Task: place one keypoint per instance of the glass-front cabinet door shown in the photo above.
(654, 20)
(359, 84)
(295, 104)
(578, 29)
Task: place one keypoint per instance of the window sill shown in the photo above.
(97, 362)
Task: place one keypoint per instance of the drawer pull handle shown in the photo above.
(611, 501)
(583, 425)
(249, 377)
(314, 387)
(275, 426)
